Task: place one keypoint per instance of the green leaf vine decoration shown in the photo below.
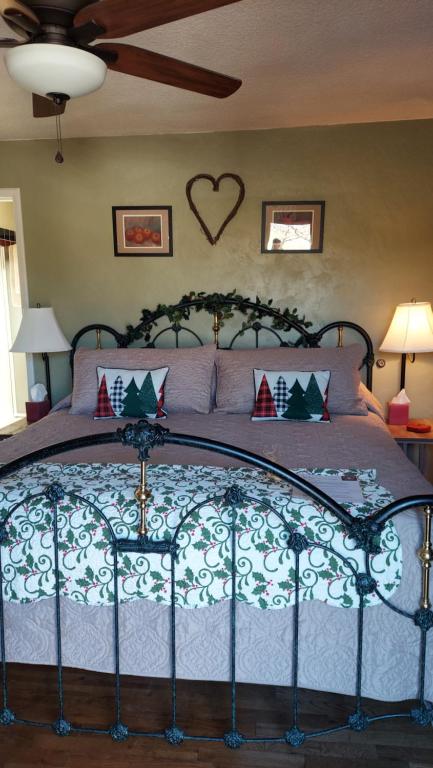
(224, 306)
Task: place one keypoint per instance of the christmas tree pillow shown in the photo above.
(123, 393)
(291, 395)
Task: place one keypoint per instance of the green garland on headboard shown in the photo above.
(221, 304)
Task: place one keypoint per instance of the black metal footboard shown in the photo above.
(365, 534)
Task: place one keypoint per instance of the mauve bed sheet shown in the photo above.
(327, 634)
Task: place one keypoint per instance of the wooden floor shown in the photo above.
(203, 706)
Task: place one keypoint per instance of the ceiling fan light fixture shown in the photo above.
(47, 68)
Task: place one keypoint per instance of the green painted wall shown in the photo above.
(378, 247)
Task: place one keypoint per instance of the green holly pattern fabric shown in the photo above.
(264, 564)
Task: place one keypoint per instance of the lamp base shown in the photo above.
(36, 411)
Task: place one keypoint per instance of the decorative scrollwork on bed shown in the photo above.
(144, 436)
(260, 318)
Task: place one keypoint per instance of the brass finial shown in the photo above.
(425, 554)
(216, 326)
(142, 494)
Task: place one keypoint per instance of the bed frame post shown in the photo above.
(142, 494)
(216, 326)
(425, 554)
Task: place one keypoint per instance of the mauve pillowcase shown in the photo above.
(235, 377)
(188, 383)
(373, 404)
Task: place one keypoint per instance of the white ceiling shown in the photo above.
(302, 62)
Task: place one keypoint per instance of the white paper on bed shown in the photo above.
(344, 489)
(265, 566)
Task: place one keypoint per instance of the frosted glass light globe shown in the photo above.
(50, 68)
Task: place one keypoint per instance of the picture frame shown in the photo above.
(292, 226)
(142, 230)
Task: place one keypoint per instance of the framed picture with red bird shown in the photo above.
(143, 230)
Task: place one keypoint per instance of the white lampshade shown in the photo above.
(40, 332)
(411, 329)
(50, 68)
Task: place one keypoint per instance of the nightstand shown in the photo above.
(414, 444)
(13, 429)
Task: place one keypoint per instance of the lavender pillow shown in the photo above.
(235, 377)
(188, 383)
(373, 404)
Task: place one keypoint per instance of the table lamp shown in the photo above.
(40, 332)
(410, 332)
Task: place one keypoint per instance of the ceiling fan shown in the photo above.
(56, 62)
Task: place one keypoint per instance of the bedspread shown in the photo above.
(264, 565)
(391, 645)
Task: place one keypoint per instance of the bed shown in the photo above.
(357, 627)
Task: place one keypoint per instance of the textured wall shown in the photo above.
(378, 247)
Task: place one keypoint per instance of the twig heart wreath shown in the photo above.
(215, 186)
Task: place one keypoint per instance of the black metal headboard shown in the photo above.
(259, 318)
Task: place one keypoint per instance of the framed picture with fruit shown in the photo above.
(142, 230)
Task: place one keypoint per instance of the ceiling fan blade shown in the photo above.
(164, 69)
(8, 43)
(43, 107)
(19, 17)
(124, 17)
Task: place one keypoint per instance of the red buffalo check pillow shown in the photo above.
(137, 394)
(291, 395)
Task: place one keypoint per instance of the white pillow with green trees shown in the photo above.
(123, 393)
(291, 395)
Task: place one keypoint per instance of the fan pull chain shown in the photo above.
(59, 154)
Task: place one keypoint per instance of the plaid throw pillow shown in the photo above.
(291, 395)
(137, 394)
